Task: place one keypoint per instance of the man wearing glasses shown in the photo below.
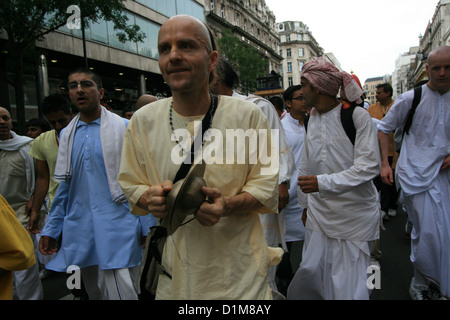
(100, 236)
(293, 126)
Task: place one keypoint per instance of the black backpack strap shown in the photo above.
(416, 102)
(347, 122)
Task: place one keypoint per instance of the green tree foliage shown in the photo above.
(248, 62)
(25, 21)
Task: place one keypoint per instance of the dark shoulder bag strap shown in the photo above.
(185, 167)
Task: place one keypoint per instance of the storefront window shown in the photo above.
(113, 39)
(173, 7)
(99, 32)
(166, 7)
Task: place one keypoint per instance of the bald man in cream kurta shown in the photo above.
(229, 260)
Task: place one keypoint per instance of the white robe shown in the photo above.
(344, 216)
(295, 135)
(425, 187)
(346, 206)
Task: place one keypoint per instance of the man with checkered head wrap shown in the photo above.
(342, 214)
(326, 78)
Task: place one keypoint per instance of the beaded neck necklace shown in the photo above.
(209, 114)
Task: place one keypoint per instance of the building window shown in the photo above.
(149, 47)
(289, 67)
(222, 11)
(113, 39)
(288, 52)
(103, 31)
(238, 18)
(212, 5)
(300, 65)
(301, 52)
(98, 32)
(173, 7)
(288, 37)
(290, 82)
(300, 37)
(167, 7)
(281, 52)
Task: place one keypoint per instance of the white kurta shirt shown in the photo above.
(295, 135)
(424, 150)
(346, 206)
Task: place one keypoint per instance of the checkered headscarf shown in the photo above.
(324, 76)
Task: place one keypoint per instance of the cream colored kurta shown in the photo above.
(231, 259)
(16, 248)
(15, 180)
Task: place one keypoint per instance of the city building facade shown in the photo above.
(251, 21)
(437, 33)
(370, 88)
(127, 69)
(403, 64)
(297, 47)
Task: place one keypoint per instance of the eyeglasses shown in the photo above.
(300, 98)
(84, 84)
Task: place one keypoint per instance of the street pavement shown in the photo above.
(396, 268)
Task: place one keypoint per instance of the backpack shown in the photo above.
(349, 126)
(346, 120)
(400, 132)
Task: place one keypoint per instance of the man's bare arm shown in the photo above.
(40, 192)
(386, 170)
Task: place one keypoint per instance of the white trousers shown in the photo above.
(429, 213)
(331, 269)
(26, 283)
(114, 284)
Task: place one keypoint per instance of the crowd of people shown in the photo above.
(95, 190)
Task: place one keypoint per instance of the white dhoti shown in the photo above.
(331, 269)
(430, 238)
(114, 284)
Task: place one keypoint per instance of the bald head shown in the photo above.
(438, 68)
(201, 29)
(187, 55)
(144, 100)
(439, 52)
